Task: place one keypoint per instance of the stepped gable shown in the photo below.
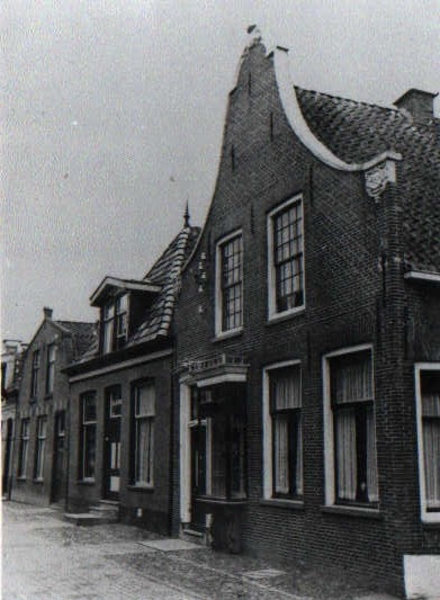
(357, 132)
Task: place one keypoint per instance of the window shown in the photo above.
(286, 258)
(115, 318)
(285, 410)
(428, 405)
(229, 295)
(35, 370)
(88, 435)
(121, 320)
(24, 445)
(40, 447)
(144, 413)
(50, 369)
(351, 395)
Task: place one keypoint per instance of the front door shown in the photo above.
(112, 444)
(59, 471)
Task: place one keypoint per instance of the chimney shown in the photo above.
(419, 104)
(47, 312)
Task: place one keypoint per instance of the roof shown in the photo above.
(163, 277)
(166, 272)
(357, 132)
(109, 284)
(83, 334)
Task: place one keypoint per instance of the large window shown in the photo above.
(40, 449)
(351, 394)
(115, 318)
(50, 368)
(144, 414)
(88, 435)
(286, 258)
(229, 294)
(428, 395)
(35, 372)
(24, 448)
(285, 409)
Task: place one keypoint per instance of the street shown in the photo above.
(45, 558)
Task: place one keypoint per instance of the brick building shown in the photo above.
(122, 396)
(308, 324)
(40, 458)
(12, 360)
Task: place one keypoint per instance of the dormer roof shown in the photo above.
(112, 286)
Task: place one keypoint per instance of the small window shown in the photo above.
(121, 320)
(428, 400)
(144, 415)
(35, 371)
(88, 435)
(229, 295)
(286, 259)
(108, 328)
(354, 432)
(40, 448)
(24, 448)
(50, 368)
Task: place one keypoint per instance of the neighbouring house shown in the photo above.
(12, 354)
(122, 396)
(40, 459)
(308, 344)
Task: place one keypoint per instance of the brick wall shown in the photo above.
(142, 507)
(355, 294)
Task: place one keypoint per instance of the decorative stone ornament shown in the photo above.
(377, 178)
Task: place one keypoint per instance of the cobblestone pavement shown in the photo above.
(45, 558)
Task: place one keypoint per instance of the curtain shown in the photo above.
(144, 451)
(431, 448)
(352, 378)
(346, 454)
(372, 484)
(281, 432)
(299, 458)
(287, 390)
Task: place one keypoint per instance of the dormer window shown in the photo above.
(115, 317)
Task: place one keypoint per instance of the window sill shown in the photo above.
(284, 316)
(225, 335)
(221, 501)
(283, 503)
(49, 396)
(86, 482)
(353, 511)
(38, 480)
(431, 524)
(140, 488)
(22, 478)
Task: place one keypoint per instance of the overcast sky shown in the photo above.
(112, 117)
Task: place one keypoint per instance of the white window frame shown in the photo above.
(86, 425)
(40, 448)
(50, 368)
(219, 331)
(23, 456)
(273, 312)
(139, 418)
(268, 432)
(329, 434)
(425, 515)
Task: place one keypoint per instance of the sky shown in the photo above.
(112, 114)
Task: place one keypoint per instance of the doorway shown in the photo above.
(112, 444)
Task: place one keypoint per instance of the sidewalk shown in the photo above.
(45, 558)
